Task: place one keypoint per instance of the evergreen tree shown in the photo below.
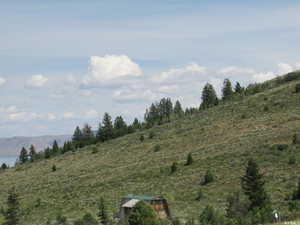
(55, 148)
(136, 124)
(47, 153)
(296, 193)
(209, 97)
(120, 127)
(142, 138)
(253, 186)
(11, 215)
(53, 168)
(208, 177)
(210, 216)
(142, 214)
(102, 213)
(23, 158)
(32, 153)
(238, 88)
(105, 131)
(189, 160)
(87, 132)
(4, 166)
(178, 110)
(227, 91)
(77, 136)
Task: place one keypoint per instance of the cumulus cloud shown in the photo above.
(168, 89)
(68, 115)
(23, 116)
(190, 72)
(51, 116)
(9, 109)
(110, 68)
(37, 81)
(234, 70)
(284, 68)
(261, 77)
(91, 114)
(132, 95)
(2, 81)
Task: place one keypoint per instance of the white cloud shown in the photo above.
(284, 68)
(234, 70)
(187, 73)
(261, 77)
(23, 116)
(168, 88)
(130, 95)
(68, 115)
(91, 114)
(9, 109)
(109, 68)
(2, 81)
(37, 81)
(51, 116)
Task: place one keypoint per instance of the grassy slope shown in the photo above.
(221, 138)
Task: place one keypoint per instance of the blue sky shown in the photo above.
(64, 63)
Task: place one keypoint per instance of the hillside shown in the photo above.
(12, 146)
(221, 138)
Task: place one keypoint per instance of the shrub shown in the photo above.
(266, 108)
(87, 219)
(199, 195)
(94, 150)
(296, 139)
(210, 216)
(297, 88)
(208, 177)
(280, 147)
(189, 160)
(60, 219)
(142, 138)
(292, 160)
(174, 167)
(142, 214)
(156, 148)
(151, 135)
(53, 168)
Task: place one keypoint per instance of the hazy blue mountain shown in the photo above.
(12, 146)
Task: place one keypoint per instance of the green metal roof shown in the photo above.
(142, 197)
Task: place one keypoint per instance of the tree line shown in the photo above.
(160, 112)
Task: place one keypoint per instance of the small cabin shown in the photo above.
(159, 204)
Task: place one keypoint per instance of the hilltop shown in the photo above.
(220, 138)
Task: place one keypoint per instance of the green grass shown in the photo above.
(221, 139)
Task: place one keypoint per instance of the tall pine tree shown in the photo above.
(209, 97)
(11, 215)
(227, 91)
(23, 158)
(105, 131)
(32, 153)
(102, 213)
(77, 136)
(253, 185)
(178, 110)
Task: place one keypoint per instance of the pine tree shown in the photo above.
(105, 131)
(238, 88)
(77, 136)
(208, 177)
(209, 97)
(4, 166)
(296, 193)
(11, 215)
(253, 186)
(142, 214)
(87, 132)
(102, 213)
(23, 158)
(227, 91)
(189, 160)
(32, 153)
(120, 127)
(178, 110)
(136, 124)
(47, 153)
(55, 148)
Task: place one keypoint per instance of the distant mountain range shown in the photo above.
(12, 146)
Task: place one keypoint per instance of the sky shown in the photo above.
(64, 63)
